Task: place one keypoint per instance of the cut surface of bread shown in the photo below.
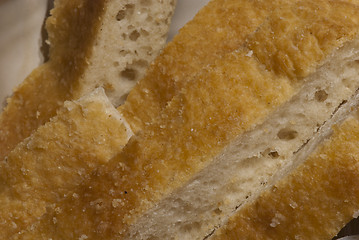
(57, 157)
(248, 164)
(312, 202)
(90, 45)
(132, 33)
(295, 58)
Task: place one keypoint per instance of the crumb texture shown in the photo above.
(132, 33)
(324, 187)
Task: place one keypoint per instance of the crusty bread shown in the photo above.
(84, 134)
(92, 43)
(313, 201)
(238, 10)
(217, 29)
(224, 134)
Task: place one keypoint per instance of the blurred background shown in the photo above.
(22, 35)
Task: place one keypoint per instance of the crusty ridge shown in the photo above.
(46, 88)
(198, 123)
(77, 30)
(28, 181)
(219, 28)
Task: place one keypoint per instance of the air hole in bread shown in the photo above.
(273, 154)
(120, 15)
(134, 35)
(123, 53)
(148, 50)
(217, 211)
(127, 10)
(116, 64)
(144, 33)
(130, 8)
(287, 134)
(321, 95)
(129, 74)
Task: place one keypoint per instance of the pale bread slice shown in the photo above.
(313, 201)
(104, 43)
(225, 106)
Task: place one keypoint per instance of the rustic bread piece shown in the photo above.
(83, 135)
(312, 202)
(217, 29)
(249, 111)
(92, 43)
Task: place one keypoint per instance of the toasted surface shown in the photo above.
(313, 202)
(79, 45)
(224, 100)
(57, 157)
(219, 28)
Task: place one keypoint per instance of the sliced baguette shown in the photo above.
(92, 43)
(45, 196)
(220, 118)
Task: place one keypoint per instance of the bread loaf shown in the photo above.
(230, 130)
(92, 43)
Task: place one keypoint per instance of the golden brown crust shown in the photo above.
(219, 28)
(57, 157)
(36, 100)
(219, 103)
(313, 202)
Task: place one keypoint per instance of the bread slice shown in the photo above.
(90, 129)
(106, 43)
(219, 28)
(247, 113)
(313, 201)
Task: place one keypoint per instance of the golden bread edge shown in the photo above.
(36, 100)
